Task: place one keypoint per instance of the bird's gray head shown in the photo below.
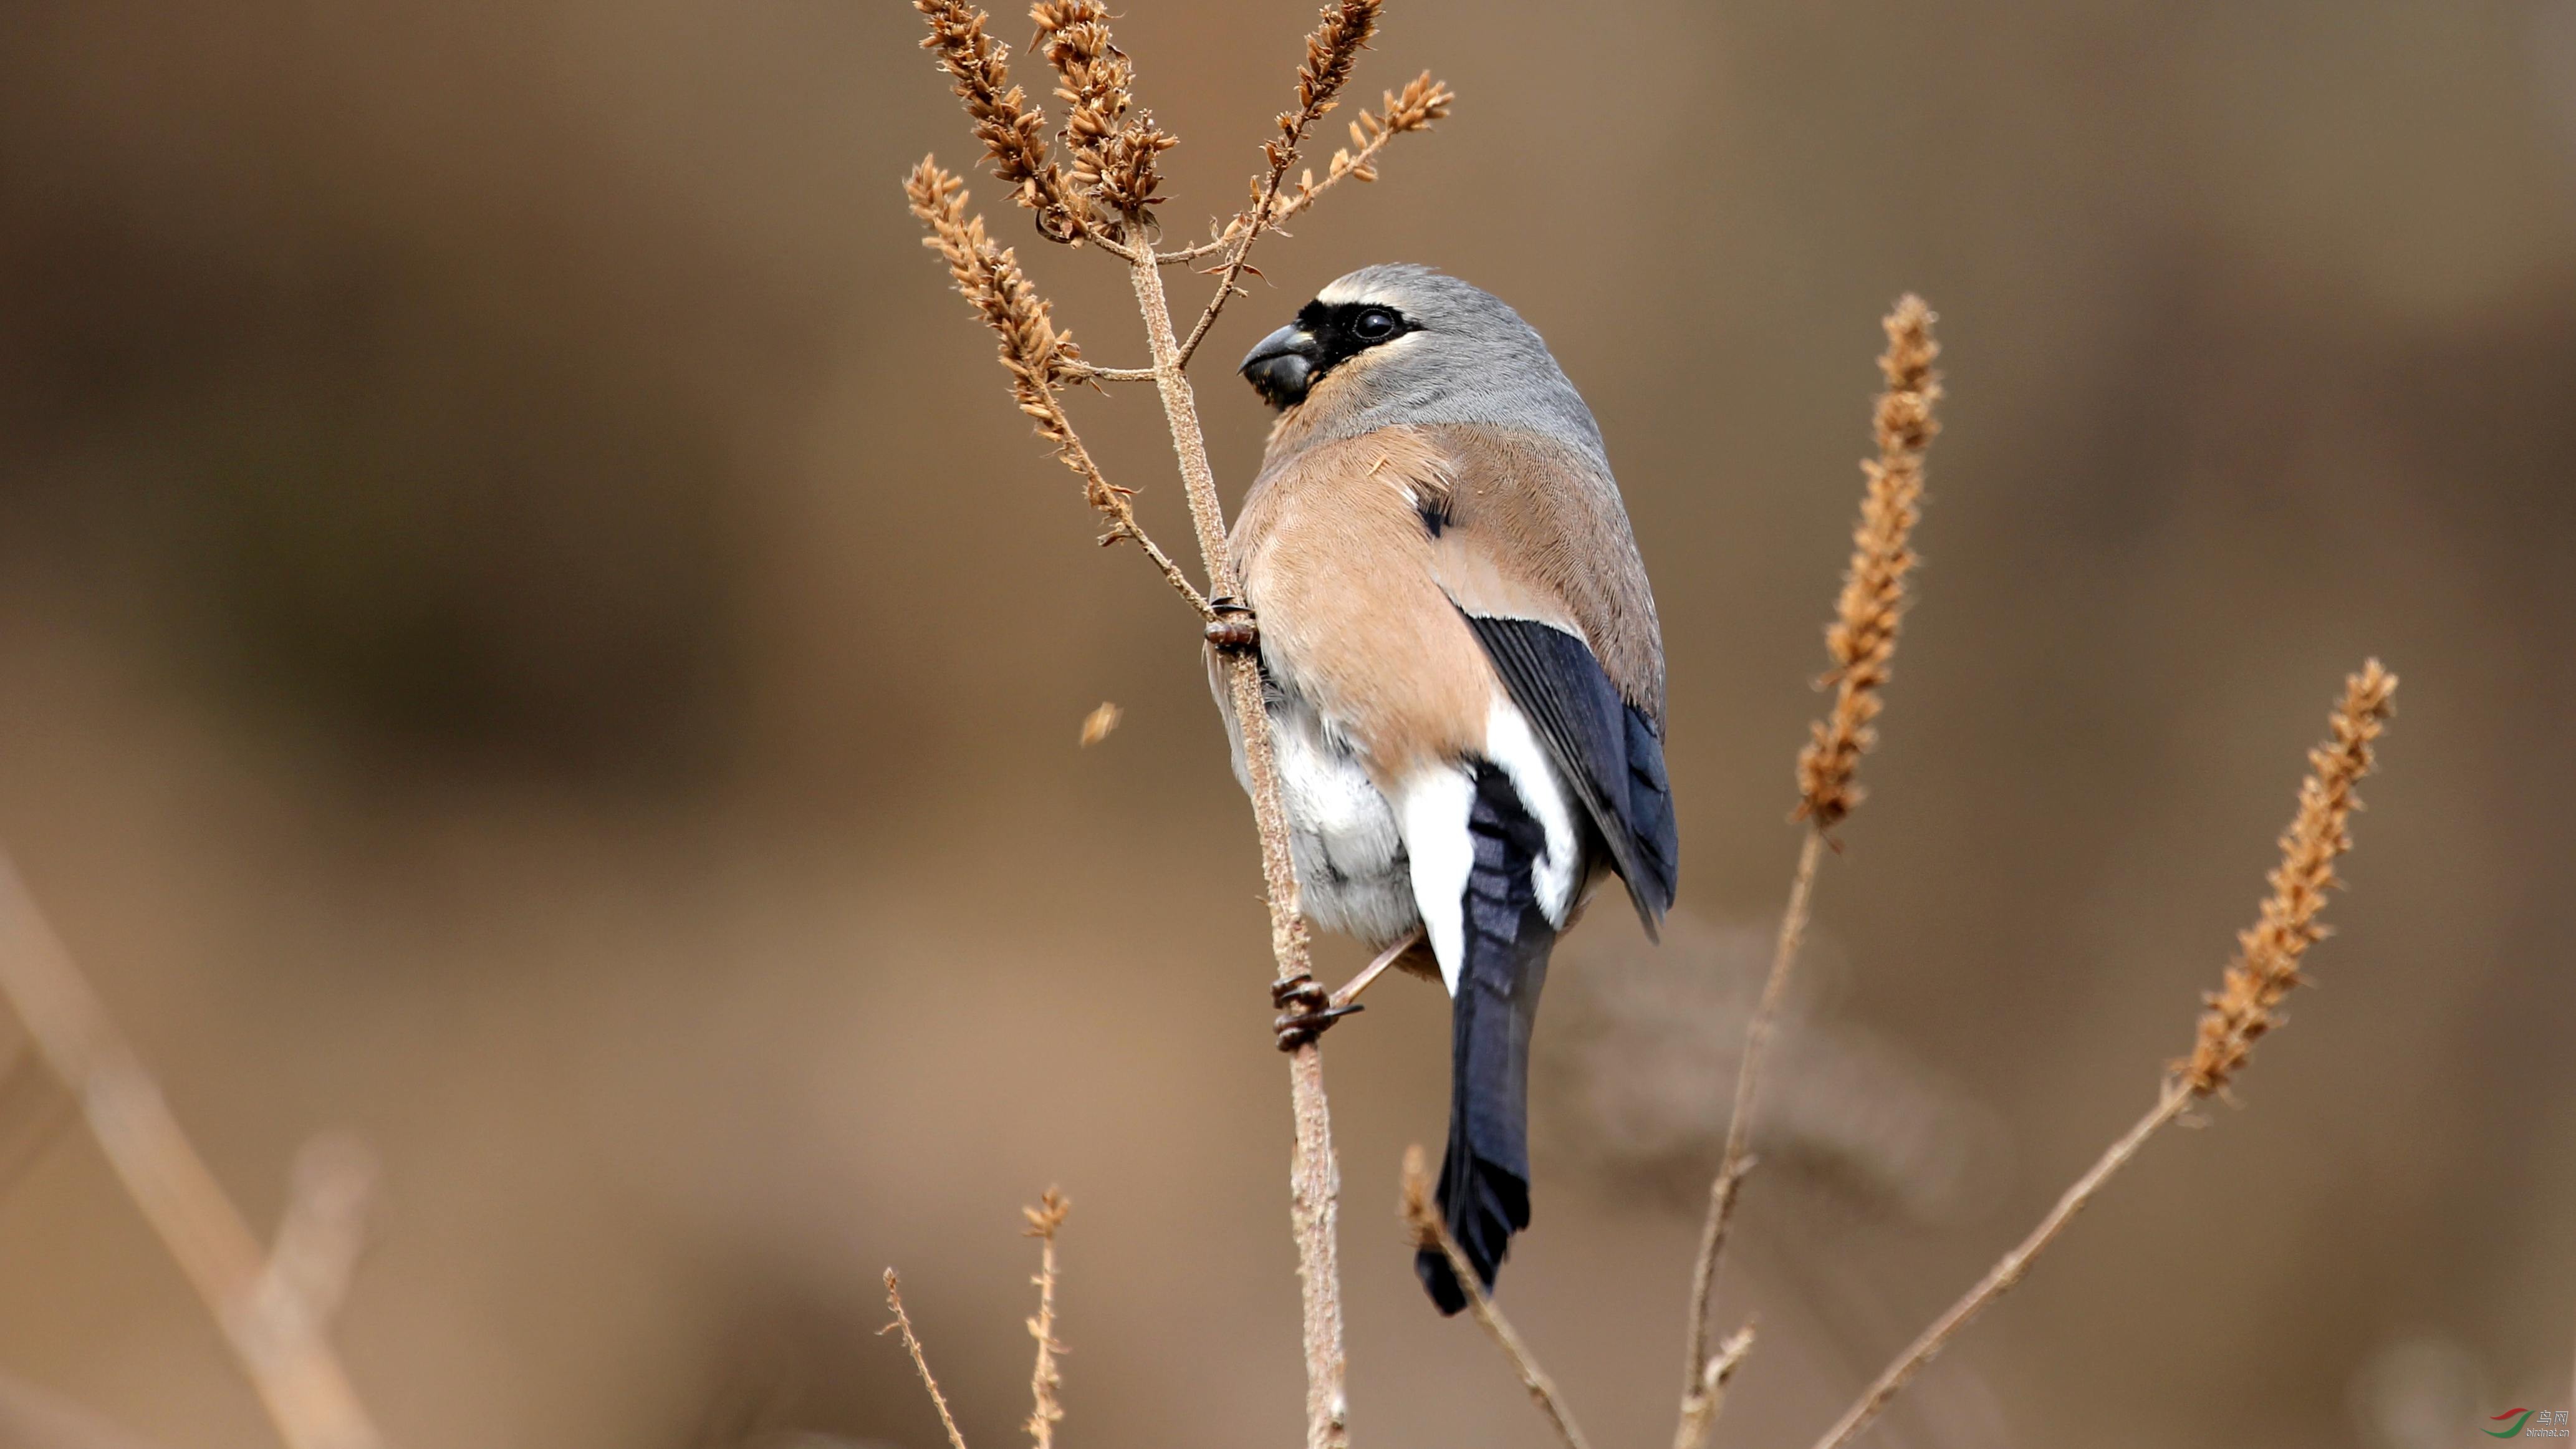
(1403, 344)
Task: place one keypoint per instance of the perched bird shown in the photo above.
(1464, 675)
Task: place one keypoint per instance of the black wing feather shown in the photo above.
(1607, 748)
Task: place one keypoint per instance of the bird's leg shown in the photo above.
(1377, 968)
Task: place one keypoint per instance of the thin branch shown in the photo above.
(2266, 968)
(1738, 1157)
(1422, 102)
(1700, 1406)
(2009, 1270)
(1331, 52)
(1430, 1232)
(1037, 357)
(1314, 1182)
(262, 1303)
(33, 1418)
(1862, 643)
(921, 1365)
(1045, 1412)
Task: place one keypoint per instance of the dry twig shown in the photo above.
(1421, 102)
(1430, 1232)
(1314, 1182)
(1331, 52)
(32, 1418)
(1038, 358)
(1700, 1408)
(274, 1308)
(920, 1364)
(2265, 969)
(1044, 1219)
(1862, 642)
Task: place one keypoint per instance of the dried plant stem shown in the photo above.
(1330, 53)
(1036, 356)
(32, 1418)
(1430, 1231)
(1862, 642)
(920, 1364)
(1701, 1403)
(1314, 1189)
(2009, 1269)
(1421, 102)
(1045, 1412)
(2266, 967)
(272, 1310)
(1738, 1158)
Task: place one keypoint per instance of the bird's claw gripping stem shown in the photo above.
(1233, 627)
(1306, 1010)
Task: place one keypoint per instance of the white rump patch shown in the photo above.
(1431, 809)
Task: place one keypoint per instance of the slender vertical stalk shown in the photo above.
(1314, 1178)
(1738, 1158)
(275, 1333)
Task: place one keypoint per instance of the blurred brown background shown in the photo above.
(529, 630)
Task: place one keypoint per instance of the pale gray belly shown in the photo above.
(1352, 872)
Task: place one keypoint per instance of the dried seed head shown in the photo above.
(2268, 952)
(1038, 358)
(1125, 174)
(1421, 102)
(1012, 130)
(1341, 33)
(1113, 156)
(1093, 74)
(1048, 1215)
(1862, 638)
(1332, 50)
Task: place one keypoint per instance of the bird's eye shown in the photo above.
(1374, 325)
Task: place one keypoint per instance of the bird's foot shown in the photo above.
(1233, 627)
(1306, 1010)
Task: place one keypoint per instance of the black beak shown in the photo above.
(1282, 367)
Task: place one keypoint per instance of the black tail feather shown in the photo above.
(1484, 1176)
